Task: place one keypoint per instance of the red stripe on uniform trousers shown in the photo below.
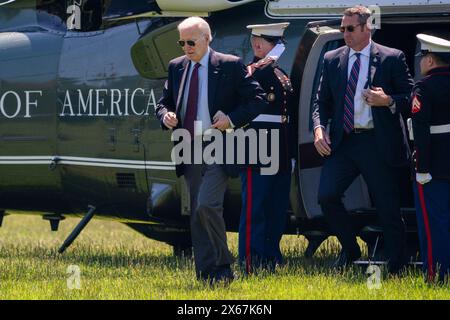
(249, 220)
(427, 231)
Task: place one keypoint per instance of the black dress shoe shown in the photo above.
(345, 259)
(222, 274)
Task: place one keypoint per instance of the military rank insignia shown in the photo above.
(416, 105)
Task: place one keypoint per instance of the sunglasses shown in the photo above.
(350, 28)
(190, 43)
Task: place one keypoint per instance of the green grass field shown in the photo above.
(117, 263)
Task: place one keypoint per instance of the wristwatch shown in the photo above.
(392, 102)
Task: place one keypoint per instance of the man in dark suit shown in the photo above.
(363, 89)
(212, 88)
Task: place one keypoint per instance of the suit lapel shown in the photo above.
(343, 66)
(374, 63)
(213, 79)
(182, 72)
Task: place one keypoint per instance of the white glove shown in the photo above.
(423, 178)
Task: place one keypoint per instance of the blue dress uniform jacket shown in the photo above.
(430, 107)
(279, 94)
(265, 198)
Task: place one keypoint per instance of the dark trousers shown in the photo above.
(357, 155)
(265, 200)
(207, 185)
(433, 221)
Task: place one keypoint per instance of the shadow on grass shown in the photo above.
(98, 257)
(295, 264)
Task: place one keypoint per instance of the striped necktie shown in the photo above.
(349, 100)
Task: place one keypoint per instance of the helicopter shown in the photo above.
(79, 81)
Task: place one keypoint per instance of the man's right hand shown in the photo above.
(423, 178)
(322, 142)
(170, 120)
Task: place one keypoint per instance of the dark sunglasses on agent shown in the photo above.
(190, 43)
(350, 28)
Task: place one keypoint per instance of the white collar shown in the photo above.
(364, 52)
(276, 51)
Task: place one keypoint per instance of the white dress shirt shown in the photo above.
(203, 107)
(362, 112)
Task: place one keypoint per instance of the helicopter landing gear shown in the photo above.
(54, 221)
(2, 214)
(80, 226)
(182, 250)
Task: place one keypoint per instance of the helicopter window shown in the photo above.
(51, 14)
(84, 15)
(91, 15)
(120, 8)
(73, 15)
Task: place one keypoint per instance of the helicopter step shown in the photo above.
(382, 262)
(76, 232)
(315, 239)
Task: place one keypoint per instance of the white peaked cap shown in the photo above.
(270, 30)
(433, 44)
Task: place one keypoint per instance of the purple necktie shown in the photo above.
(192, 102)
(349, 100)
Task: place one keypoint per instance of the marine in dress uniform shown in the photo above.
(430, 108)
(265, 198)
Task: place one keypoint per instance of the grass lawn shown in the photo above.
(114, 262)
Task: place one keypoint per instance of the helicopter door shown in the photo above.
(103, 119)
(28, 118)
(318, 39)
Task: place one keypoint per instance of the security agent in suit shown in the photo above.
(430, 108)
(211, 87)
(265, 198)
(363, 88)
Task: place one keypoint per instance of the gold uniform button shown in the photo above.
(271, 97)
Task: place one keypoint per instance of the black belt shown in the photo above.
(360, 130)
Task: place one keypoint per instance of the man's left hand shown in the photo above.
(376, 97)
(221, 121)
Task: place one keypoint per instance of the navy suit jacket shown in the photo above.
(229, 90)
(388, 70)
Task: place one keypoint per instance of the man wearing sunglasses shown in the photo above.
(213, 88)
(363, 89)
